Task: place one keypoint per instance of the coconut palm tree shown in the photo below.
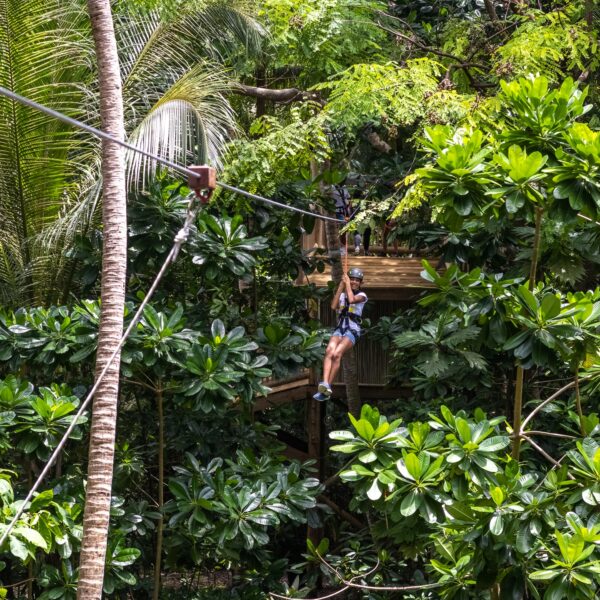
(174, 87)
(114, 270)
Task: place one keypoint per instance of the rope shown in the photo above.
(348, 219)
(181, 169)
(179, 240)
(346, 254)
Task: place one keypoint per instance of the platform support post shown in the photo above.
(315, 417)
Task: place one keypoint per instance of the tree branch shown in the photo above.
(284, 95)
(540, 406)
(550, 434)
(543, 452)
(340, 591)
(341, 512)
(491, 11)
(416, 42)
(391, 588)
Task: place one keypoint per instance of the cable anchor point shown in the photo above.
(203, 182)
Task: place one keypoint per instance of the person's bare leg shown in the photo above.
(339, 352)
(329, 354)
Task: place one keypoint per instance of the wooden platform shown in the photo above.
(302, 389)
(389, 278)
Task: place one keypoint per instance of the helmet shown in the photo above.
(355, 273)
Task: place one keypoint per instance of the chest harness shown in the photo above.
(345, 317)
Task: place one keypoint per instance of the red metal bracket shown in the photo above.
(203, 182)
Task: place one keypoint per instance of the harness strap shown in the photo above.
(344, 319)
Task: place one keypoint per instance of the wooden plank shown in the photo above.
(291, 393)
(290, 385)
(382, 276)
(368, 392)
(373, 391)
(294, 453)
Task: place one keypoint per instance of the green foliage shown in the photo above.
(550, 326)
(223, 246)
(34, 424)
(537, 127)
(381, 93)
(445, 504)
(476, 516)
(224, 510)
(553, 43)
(539, 115)
(290, 348)
(282, 151)
(224, 369)
(327, 35)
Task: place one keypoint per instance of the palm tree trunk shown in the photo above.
(104, 414)
(351, 379)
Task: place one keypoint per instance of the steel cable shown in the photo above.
(183, 170)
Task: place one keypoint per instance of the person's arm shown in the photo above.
(335, 303)
(352, 297)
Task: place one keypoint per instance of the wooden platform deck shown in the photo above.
(302, 389)
(386, 278)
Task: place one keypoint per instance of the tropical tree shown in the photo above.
(114, 267)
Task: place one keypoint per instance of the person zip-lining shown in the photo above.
(349, 302)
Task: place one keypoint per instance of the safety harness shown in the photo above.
(345, 317)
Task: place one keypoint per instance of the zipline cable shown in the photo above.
(183, 170)
(179, 240)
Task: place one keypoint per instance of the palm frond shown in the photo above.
(190, 123)
(475, 360)
(45, 56)
(155, 53)
(11, 268)
(413, 339)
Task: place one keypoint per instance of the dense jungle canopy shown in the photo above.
(467, 132)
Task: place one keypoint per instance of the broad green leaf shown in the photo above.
(374, 492)
(32, 536)
(497, 524)
(550, 306)
(411, 503)
(497, 495)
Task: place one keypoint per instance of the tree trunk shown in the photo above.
(491, 10)
(351, 380)
(518, 400)
(261, 101)
(104, 414)
(161, 491)
(589, 14)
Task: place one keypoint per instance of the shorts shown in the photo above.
(351, 335)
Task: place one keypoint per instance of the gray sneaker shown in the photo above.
(325, 388)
